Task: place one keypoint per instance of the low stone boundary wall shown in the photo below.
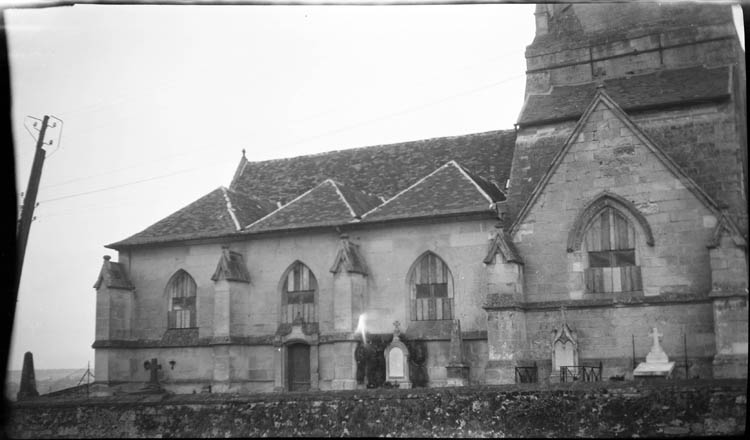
(601, 409)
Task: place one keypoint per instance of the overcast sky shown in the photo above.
(159, 101)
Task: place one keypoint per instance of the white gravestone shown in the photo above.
(397, 361)
(657, 363)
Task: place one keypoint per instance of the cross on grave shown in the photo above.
(153, 367)
(655, 335)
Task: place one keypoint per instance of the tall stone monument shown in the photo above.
(28, 381)
(397, 360)
(657, 363)
(458, 371)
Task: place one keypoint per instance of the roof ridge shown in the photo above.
(230, 209)
(407, 189)
(285, 205)
(346, 202)
(466, 174)
(508, 130)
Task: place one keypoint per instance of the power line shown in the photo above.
(407, 110)
(118, 186)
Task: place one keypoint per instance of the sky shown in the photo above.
(157, 103)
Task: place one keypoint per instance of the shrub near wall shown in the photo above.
(590, 410)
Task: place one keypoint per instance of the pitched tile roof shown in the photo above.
(382, 170)
(342, 178)
(218, 212)
(662, 88)
(329, 203)
(448, 190)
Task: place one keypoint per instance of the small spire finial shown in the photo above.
(107, 258)
(243, 152)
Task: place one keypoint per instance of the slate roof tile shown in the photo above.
(381, 170)
(448, 190)
(665, 87)
(207, 216)
(320, 206)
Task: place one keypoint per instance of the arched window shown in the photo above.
(298, 294)
(181, 290)
(610, 245)
(431, 289)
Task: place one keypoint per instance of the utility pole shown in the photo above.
(29, 200)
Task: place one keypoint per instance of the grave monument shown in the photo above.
(657, 363)
(397, 361)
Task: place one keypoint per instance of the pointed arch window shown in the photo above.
(431, 289)
(181, 291)
(610, 245)
(299, 291)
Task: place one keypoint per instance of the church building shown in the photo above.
(617, 204)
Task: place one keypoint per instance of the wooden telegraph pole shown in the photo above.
(29, 200)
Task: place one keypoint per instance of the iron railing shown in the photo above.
(583, 373)
(527, 374)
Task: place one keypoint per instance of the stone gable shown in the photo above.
(607, 155)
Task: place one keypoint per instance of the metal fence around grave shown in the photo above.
(581, 373)
(527, 374)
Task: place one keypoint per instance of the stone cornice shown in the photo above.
(506, 302)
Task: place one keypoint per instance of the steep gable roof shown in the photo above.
(219, 212)
(381, 170)
(449, 189)
(502, 244)
(327, 204)
(603, 98)
(639, 92)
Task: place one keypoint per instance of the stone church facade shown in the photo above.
(618, 204)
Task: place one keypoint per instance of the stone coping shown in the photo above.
(603, 387)
(630, 299)
(329, 338)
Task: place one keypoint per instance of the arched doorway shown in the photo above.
(298, 367)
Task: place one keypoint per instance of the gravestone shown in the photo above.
(564, 347)
(153, 386)
(457, 371)
(397, 361)
(657, 363)
(27, 389)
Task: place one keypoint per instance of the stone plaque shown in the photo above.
(396, 363)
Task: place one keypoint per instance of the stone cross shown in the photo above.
(153, 368)
(656, 335)
(396, 329)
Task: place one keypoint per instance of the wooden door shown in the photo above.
(298, 367)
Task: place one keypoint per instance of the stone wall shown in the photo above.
(604, 409)
(607, 156)
(250, 361)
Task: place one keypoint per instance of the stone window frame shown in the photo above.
(306, 299)
(427, 309)
(591, 213)
(181, 314)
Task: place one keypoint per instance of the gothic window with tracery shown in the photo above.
(298, 294)
(431, 289)
(181, 291)
(610, 244)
